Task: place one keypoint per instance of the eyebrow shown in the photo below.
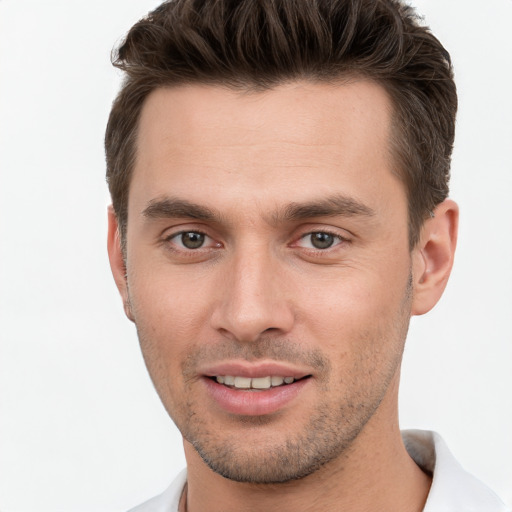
(168, 208)
(332, 206)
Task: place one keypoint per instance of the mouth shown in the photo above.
(255, 383)
(244, 389)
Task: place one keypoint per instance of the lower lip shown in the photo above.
(248, 402)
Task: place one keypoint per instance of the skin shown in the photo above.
(258, 291)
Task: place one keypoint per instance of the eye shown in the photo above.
(320, 240)
(190, 240)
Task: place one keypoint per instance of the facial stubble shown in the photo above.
(331, 428)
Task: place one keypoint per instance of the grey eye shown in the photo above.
(192, 239)
(321, 240)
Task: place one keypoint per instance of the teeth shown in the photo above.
(277, 381)
(255, 383)
(261, 383)
(229, 380)
(243, 382)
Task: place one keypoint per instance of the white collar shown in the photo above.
(453, 489)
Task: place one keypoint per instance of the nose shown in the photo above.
(252, 298)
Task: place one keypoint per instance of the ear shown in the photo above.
(432, 258)
(117, 263)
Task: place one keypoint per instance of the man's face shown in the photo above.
(267, 240)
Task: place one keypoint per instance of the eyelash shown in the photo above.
(168, 240)
(340, 240)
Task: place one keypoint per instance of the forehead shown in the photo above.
(294, 113)
(279, 143)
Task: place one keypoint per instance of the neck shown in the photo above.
(375, 474)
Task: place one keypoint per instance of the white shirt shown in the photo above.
(453, 489)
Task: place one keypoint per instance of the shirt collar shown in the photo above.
(453, 489)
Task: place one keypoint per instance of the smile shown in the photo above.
(254, 383)
(254, 396)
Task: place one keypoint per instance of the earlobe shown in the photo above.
(432, 258)
(117, 263)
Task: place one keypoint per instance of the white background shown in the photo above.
(81, 428)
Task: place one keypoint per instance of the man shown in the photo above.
(279, 178)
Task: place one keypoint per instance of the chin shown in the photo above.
(276, 458)
(266, 470)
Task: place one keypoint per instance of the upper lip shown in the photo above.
(254, 369)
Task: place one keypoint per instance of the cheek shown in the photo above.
(164, 297)
(170, 314)
(357, 312)
(167, 329)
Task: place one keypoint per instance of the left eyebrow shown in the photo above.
(333, 206)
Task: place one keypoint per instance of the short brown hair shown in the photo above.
(258, 44)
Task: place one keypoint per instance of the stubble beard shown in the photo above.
(328, 434)
(322, 439)
(265, 458)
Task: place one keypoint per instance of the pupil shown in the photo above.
(192, 240)
(322, 240)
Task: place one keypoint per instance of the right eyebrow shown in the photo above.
(171, 208)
